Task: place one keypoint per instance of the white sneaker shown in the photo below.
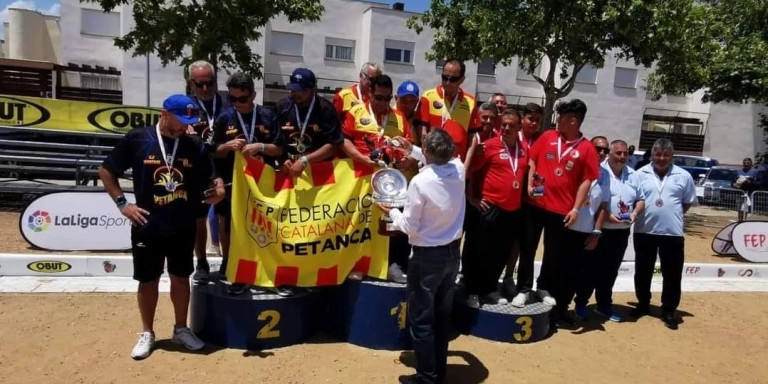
(473, 301)
(143, 347)
(396, 274)
(519, 300)
(355, 276)
(214, 249)
(546, 298)
(185, 337)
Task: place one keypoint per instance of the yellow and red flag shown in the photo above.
(308, 231)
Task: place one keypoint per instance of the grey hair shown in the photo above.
(370, 64)
(662, 145)
(618, 142)
(439, 146)
(201, 64)
(497, 94)
(489, 107)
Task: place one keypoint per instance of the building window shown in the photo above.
(625, 78)
(439, 64)
(99, 23)
(398, 51)
(289, 44)
(339, 49)
(486, 67)
(94, 81)
(587, 75)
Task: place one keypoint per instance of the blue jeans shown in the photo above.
(431, 285)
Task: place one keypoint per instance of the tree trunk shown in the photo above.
(549, 106)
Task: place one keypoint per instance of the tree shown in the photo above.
(216, 31)
(568, 33)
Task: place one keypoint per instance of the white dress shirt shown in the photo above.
(434, 210)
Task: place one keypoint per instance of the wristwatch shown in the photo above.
(121, 202)
(597, 233)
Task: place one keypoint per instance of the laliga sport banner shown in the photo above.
(76, 221)
(310, 231)
(77, 116)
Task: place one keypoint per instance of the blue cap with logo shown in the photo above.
(183, 107)
(301, 80)
(408, 88)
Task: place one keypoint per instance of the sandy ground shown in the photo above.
(87, 338)
(701, 226)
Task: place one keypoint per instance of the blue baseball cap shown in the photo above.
(301, 80)
(184, 108)
(408, 88)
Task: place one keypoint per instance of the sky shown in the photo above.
(52, 7)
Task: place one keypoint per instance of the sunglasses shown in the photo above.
(201, 84)
(451, 79)
(382, 97)
(239, 99)
(603, 149)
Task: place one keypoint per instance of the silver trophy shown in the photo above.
(389, 189)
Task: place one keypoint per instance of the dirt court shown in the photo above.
(87, 338)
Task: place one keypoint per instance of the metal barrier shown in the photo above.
(760, 202)
(729, 199)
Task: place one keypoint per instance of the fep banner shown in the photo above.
(750, 239)
(76, 116)
(308, 231)
(76, 221)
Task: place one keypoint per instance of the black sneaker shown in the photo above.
(284, 291)
(236, 289)
(640, 311)
(669, 320)
(202, 272)
(566, 320)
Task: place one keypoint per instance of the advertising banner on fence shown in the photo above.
(76, 221)
(310, 231)
(76, 116)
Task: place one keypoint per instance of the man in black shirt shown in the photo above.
(202, 83)
(308, 123)
(245, 127)
(171, 175)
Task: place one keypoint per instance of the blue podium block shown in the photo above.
(504, 323)
(252, 321)
(370, 314)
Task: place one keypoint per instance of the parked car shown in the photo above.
(695, 165)
(716, 187)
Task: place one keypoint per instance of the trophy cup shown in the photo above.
(538, 185)
(389, 189)
(624, 214)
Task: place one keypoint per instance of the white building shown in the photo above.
(353, 32)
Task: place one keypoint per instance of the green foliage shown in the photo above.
(218, 31)
(570, 32)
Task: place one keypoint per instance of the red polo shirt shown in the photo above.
(575, 165)
(499, 180)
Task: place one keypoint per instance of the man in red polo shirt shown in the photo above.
(357, 93)
(502, 166)
(567, 162)
(450, 108)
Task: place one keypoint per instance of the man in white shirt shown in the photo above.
(432, 218)
(668, 191)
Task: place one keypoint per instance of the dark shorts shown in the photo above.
(224, 207)
(151, 251)
(202, 211)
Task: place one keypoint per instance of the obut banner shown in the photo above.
(308, 231)
(76, 221)
(77, 116)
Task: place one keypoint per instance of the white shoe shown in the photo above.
(519, 300)
(473, 301)
(546, 298)
(355, 276)
(185, 337)
(214, 249)
(143, 347)
(396, 274)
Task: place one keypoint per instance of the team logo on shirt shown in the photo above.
(288, 126)
(504, 156)
(231, 130)
(365, 120)
(569, 165)
(575, 153)
(550, 156)
(437, 104)
(315, 128)
(262, 129)
(168, 185)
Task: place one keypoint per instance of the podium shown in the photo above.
(370, 314)
(503, 323)
(252, 321)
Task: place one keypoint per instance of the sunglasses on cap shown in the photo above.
(382, 97)
(201, 84)
(602, 149)
(239, 99)
(451, 79)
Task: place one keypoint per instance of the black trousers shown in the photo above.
(399, 250)
(569, 267)
(671, 251)
(533, 224)
(603, 267)
(430, 290)
(487, 246)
